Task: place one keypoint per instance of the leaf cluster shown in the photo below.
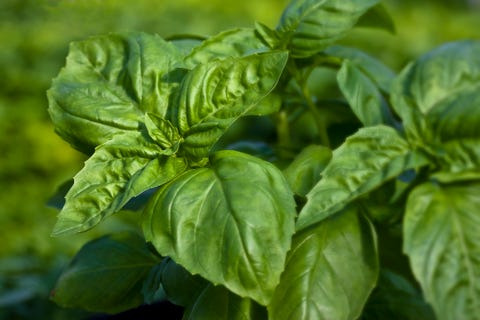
(309, 224)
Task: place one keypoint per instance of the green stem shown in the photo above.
(317, 116)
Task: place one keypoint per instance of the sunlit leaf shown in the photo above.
(119, 170)
(109, 83)
(230, 222)
(215, 94)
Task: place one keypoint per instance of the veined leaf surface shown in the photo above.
(309, 26)
(106, 275)
(119, 170)
(231, 223)
(442, 240)
(366, 160)
(109, 83)
(215, 94)
(330, 270)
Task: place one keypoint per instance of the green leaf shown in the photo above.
(442, 240)
(444, 76)
(304, 171)
(181, 287)
(379, 73)
(363, 162)
(164, 133)
(119, 170)
(377, 17)
(363, 96)
(309, 26)
(106, 275)
(231, 223)
(395, 298)
(235, 43)
(268, 36)
(152, 289)
(215, 94)
(330, 270)
(217, 303)
(108, 84)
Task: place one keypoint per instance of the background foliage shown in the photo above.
(34, 38)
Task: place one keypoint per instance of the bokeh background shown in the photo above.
(34, 38)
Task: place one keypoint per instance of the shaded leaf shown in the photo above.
(235, 43)
(442, 240)
(377, 17)
(363, 162)
(108, 84)
(231, 223)
(363, 96)
(119, 170)
(330, 270)
(309, 26)
(304, 171)
(106, 275)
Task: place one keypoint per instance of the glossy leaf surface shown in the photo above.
(309, 26)
(231, 223)
(330, 270)
(366, 160)
(119, 170)
(215, 94)
(108, 84)
(106, 275)
(442, 240)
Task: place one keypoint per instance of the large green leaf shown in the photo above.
(363, 95)
(107, 85)
(304, 171)
(217, 303)
(446, 78)
(309, 26)
(215, 94)
(330, 270)
(119, 170)
(234, 43)
(364, 161)
(231, 223)
(106, 275)
(442, 240)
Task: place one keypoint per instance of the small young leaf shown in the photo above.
(442, 240)
(215, 94)
(366, 160)
(235, 43)
(309, 26)
(330, 270)
(231, 223)
(152, 289)
(379, 73)
(304, 171)
(119, 170)
(163, 132)
(106, 275)
(217, 303)
(377, 17)
(108, 84)
(363, 96)
(267, 35)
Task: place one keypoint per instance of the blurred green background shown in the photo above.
(34, 38)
